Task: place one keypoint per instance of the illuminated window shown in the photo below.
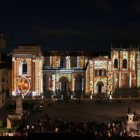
(124, 64)
(24, 67)
(116, 63)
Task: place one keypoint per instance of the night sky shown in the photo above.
(75, 25)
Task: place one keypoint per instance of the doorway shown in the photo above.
(100, 86)
(64, 84)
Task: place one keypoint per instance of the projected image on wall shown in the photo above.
(23, 85)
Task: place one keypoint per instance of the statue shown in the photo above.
(129, 111)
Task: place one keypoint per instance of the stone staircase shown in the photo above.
(126, 93)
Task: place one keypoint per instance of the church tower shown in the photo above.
(2, 43)
(27, 71)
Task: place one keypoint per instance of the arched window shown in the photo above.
(24, 67)
(116, 63)
(124, 64)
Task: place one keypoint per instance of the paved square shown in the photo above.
(86, 110)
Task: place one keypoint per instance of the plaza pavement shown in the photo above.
(87, 109)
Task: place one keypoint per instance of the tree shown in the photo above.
(1, 123)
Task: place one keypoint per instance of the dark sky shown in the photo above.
(70, 25)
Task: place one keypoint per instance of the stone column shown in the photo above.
(66, 62)
(78, 61)
(53, 78)
(69, 63)
(106, 72)
(33, 75)
(119, 79)
(130, 79)
(83, 84)
(50, 61)
(102, 72)
(59, 61)
(98, 72)
(73, 84)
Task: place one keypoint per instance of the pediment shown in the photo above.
(100, 58)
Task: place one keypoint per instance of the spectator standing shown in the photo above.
(38, 121)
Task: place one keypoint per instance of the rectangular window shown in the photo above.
(6, 81)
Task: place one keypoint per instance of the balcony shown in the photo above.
(65, 69)
(3, 79)
(50, 68)
(79, 68)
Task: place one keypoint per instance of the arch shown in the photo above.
(64, 83)
(77, 74)
(124, 64)
(24, 67)
(78, 82)
(116, 63)
(100, 85)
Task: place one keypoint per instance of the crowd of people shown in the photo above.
(116, 128)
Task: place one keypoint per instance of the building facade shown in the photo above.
(35, 72)
(2, 87)
(27, 71)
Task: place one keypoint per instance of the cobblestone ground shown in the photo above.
(86, 110)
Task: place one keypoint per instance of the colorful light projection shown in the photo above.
(106, 76)
(23, 85)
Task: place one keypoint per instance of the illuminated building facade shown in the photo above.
(120, 71)
(35, 72)
(27, 71)
(64, 71)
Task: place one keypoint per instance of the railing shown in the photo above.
(49, 67)
(64, 69)
(3, 91)
(79, 68)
